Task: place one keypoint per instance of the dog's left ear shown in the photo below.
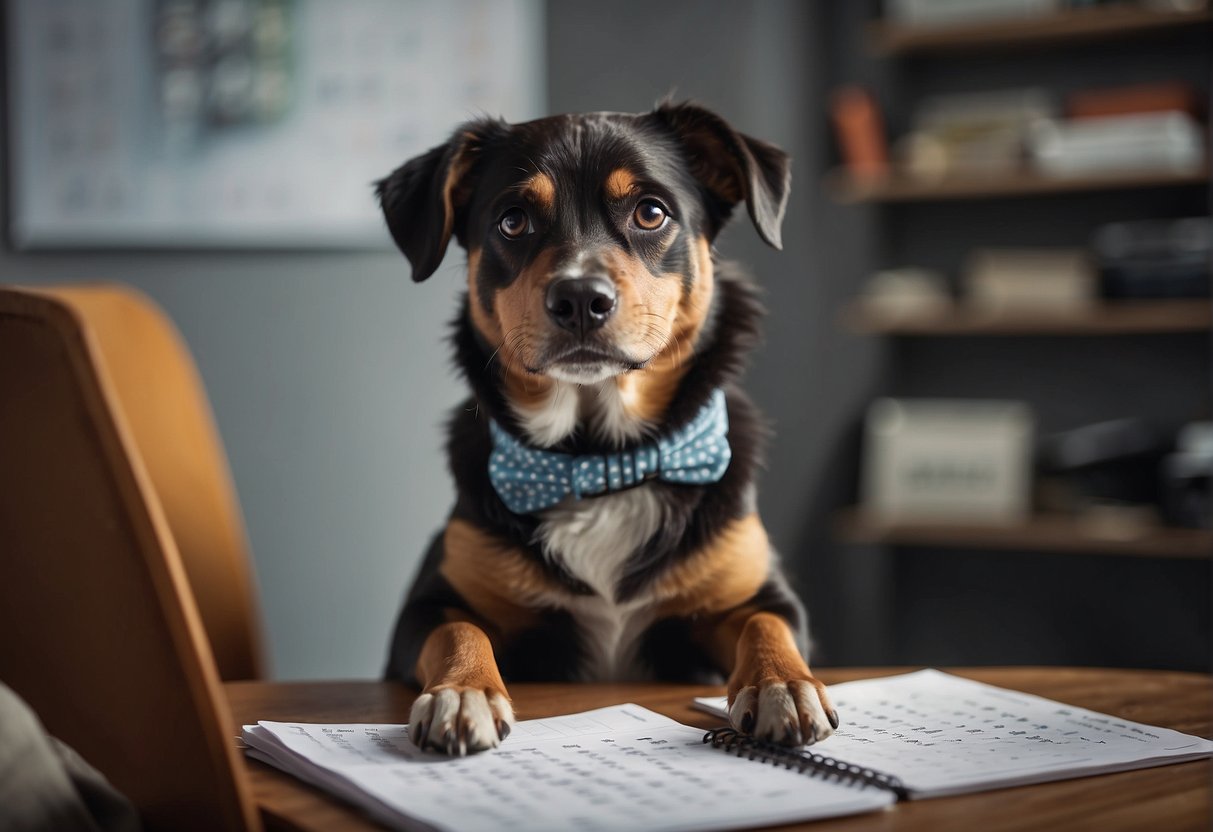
(733, 166)
(423, 200)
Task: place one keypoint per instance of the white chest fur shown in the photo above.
(601, 408)
(593, 539)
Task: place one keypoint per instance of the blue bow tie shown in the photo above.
(529, 480)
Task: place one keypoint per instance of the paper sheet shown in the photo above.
(618, 768)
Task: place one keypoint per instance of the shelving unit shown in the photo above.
(1111, 318)
(1106, 23)
(1043, 533)
(895, 188)
(1037, 590)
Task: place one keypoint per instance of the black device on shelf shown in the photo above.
(1115, 461)
(1187, 496)
(1155, 258)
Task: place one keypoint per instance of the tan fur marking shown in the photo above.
(718, 636)
(460, 654)
(510, 316)
(500, 584)
(647, 306)
(541, 188)
(521, 318)
(722, 184)
(726, 180)
(649, 392)
(485, 324)
(459, 166)
(766, 653)
(620, 184)
(720, 576)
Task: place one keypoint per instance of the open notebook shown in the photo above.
(924, 734)
(618, 768)
(932, 734)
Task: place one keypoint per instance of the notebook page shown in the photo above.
(619, 768)
(942, 735)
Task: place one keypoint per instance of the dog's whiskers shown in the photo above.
(513, 343)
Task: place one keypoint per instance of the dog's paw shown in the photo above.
(797, 712)
(459, 720)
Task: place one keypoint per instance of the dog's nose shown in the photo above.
(581, 304)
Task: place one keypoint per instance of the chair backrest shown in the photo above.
(162, 397)
(99, 630)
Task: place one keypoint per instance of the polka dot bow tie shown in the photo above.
(529, 480)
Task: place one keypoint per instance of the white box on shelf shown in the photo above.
(955, 12)
(1166, 142)
(906, 292)
(948, 459)
(1045, 279)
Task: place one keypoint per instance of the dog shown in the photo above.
(605, 526)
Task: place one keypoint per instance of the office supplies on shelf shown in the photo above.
(957, 459)
(953, 12)
(1155, 258)
(1109, 462)
(1047, 279)
(1178, 6)
(906, 292)
(1158, 97)
(860, 131)
(615, 768)
(1168, 141)
(937, 735)
(972, 134)
(1186, 476)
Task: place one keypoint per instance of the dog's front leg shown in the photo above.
(463, 706)
(772, 692)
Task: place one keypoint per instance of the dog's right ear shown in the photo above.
(423, 200)
(732, 166)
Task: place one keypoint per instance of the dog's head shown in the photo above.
(588, 236)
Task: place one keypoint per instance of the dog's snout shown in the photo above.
(581, 304)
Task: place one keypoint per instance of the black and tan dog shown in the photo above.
(606, 525)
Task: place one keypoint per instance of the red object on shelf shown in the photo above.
(1137, 98)
(860, 131)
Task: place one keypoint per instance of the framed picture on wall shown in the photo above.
(244, 123)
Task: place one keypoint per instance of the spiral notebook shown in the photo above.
(924, 734)
(932, 734)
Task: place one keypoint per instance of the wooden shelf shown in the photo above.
(847, 189)
(1109, 318)
(1042, 533)
(1076, 25)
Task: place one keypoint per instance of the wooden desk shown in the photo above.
(1166, 798)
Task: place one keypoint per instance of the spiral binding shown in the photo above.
(803, 761)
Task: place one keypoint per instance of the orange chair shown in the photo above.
(125, 593)
(161, 395)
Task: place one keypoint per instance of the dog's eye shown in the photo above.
(649, 215)
(514, 223)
